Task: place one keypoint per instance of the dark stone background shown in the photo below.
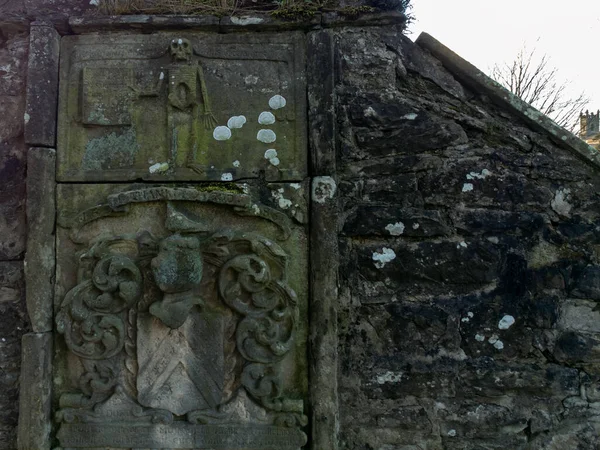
(417, 368)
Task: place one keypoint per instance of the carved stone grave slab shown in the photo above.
(181, 317)
(182, 106)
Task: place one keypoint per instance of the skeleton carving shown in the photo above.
(190, 117)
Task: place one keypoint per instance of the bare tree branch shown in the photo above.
(532, 79)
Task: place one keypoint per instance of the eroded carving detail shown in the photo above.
(176, 326)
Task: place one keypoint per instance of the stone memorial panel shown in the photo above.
(181, 313)
(182, 106)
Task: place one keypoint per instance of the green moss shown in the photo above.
(295, 12)
(231, 188)
(355, 11)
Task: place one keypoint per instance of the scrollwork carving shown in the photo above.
(89, 315)
(253, 285)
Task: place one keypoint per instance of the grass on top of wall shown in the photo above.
(284, 9)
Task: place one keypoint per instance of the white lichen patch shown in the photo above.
(236, 122)
(410, 116)
(271, 155)
(161, 76)
(226, 177)
(382, 258)
(295, 186)
(451, 433)
(283, 202)
(389, 377)
(159, 167)
(26, 117)
(323, 189)
(246, 20)
(415, 226)
(251, 79)
(277, 102)
(461, 244)
(479, 337)
(479, 176)
(266, 136)
(255, 209)
(467, 187)
(236, 163)
(266, 118)
(560, 202)
(369, 112)
(94, 2)
(498, 345)
(222, 133)
(395, 229)
(506, 322)
(493, 339)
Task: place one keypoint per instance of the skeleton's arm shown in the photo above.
(207, 116)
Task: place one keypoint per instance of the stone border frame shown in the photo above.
(35, 413)
(35, 402)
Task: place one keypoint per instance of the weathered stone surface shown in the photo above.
(13, 324)
(92, 23)
(189, 108)
(395, 221)
(13, 60)
(42, 85)
(12, 109)
(324, 310)
(588, 284)
(171, 311)
(12, 199)
(35, 422)
(321, 100)
(40, 256)
(485, 325)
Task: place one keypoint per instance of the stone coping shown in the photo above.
(467, 73)
(246, 22)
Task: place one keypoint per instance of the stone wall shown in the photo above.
(14, 45)
(469, 268)
(15, 19)
(469, 264)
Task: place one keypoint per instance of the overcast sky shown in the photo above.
(486, 32)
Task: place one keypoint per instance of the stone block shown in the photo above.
(12, 199)
(42, 85)
(35, 398)
(11, 116)
(418, 132)
(321, 98)
(395, 221)
(463, 262)
(13, 60)
(579, 315)
(212, 107)
(40, 256)
(13, 324)
(265, 22)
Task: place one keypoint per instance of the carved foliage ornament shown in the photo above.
(238, 278)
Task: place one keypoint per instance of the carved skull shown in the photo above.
(181, 50)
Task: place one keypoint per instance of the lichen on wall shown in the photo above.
(467, 242)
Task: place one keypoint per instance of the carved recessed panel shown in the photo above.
(181, 318)
(182, 106)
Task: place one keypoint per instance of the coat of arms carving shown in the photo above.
(184, 334)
